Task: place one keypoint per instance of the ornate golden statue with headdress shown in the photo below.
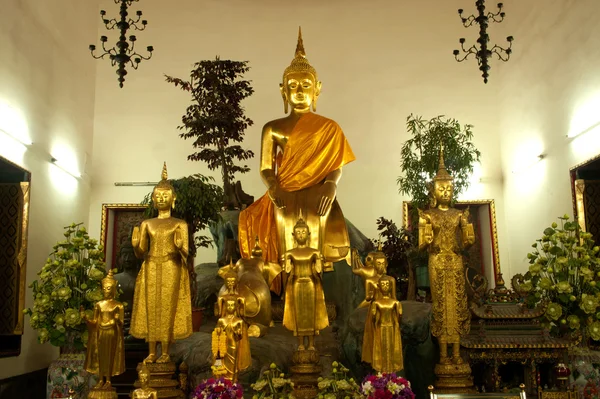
(382, 342)
(162, 309)
(304, 310)
(371, 271)
(246, 279)
(302, 156)
(230, 337)
(145, 391)
(105, 349)
(444, 231)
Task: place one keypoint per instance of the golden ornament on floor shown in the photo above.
(248, 282)
(145, 391)
(383, 329)
(304, 310)
(230, 343)
(105, 348)
(162, 309)
(444, 231)
(302, 156)
(374, 268)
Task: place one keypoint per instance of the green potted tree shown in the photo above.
(215, 121)
(198, 202)
(419, 164)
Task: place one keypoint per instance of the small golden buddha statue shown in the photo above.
(304, 310)
(297, 182)
(162, 308)
(374, 268)
(105, 349)
(444, 231)
(233, 329)
(145, 391)
(383, 328)
(246, 279)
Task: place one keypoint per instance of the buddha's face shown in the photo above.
(162, 198)
(443, 190)
(300, 89)
(380, 265)
(108, 290)
(384, 286)
(230, 307)
(301, 234)
(230, 282)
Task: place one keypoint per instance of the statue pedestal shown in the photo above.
(102, 393)
(453, 378)
(305, 372)
(162, 378)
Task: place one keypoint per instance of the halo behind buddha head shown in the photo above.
(299, 63)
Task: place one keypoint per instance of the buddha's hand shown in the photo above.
(327, 191)
(135, 237)
(275, 194)
(178, 238)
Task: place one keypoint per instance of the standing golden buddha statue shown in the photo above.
(162, 309)
(304, 310)
(232, 327)
(105, 349)
(301, 163)
(374, 268)
(384, 332)
(444, 231)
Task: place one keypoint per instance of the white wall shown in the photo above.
(379, 61)
(47, 78)
(550, 87)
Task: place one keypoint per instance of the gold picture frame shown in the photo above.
(484, 211)
(116, 225)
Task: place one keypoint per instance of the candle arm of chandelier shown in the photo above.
(503, 54)
(498, 16)
(108, 23)
(468, 21)
(133, 24)
(466, 52)
(106, 51)
(137, 58)
(129, 2)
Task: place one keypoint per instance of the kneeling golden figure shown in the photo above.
(105, 350)
(145, 391)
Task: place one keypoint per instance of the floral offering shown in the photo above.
(218, 389)
(69, 281)
(564, 271)
(339, 385)
(273, 385)
(386, 386)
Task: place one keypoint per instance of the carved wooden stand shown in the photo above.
(102, 393)
(453, 378)
(305, 372)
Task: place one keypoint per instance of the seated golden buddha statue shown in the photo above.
(385, 316)
(301, 162)
(371, 271)
(105, 349)
(246, 279)
(162, 307)
(145, 391)
(444, 231)
(304, 310)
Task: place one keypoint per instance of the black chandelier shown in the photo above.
(484, 52)
(123, 53)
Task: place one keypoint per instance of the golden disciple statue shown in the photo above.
(301, 163)
(233, 329)
(145, 391)
(374, 268)
(304, 310)
(444, 231)
(162, 308)
(383, 335)
(105, 349)
(247, 281)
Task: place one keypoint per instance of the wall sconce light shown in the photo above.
(23, 140)
(528, 164)
(573, 134)
(65, 168)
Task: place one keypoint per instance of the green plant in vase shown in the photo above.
(70, 279)
(564, 271)
(273, 384)
(339, 385)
